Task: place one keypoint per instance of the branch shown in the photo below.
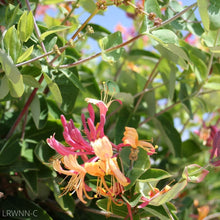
(150, 79)
(173, 18)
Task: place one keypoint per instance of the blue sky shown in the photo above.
(114, 15)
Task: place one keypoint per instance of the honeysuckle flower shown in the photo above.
(77, 144)
(101, 163)
(207, 133)
(102, 105)
(103, 149)
(215, 152)
(203, 211)
(77, 174)
(131, 138)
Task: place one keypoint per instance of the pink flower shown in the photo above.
(215, 152)
(73, 137)
(207, 133)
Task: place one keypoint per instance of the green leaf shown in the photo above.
(213, 83)
(44, 153)
(31, 81)
(35, 110)
(99, 31)
(54, 89)
(12, 14)
(151, 102)
(12, 43)
(194, 173)
(121, 123)
(111, 40)
(169, 134)
(211, 38)
(112, 87)
(25, 55)
(15, 79)
(139, 166)
(178, 51)
(203, 11)
(165, 35)
(30, 209)
(169, 195)
(30, 178)
(134, 200)
(157, 211)
(184, 97)
(153, 174)
(4, 89)
(51, 127)
(126, 98)
(199, 68)
(53, 30)
(20, 165)
(174, 54)
(25, 26)
(153, 6)
(168, 71)
(66, 202)
(31, 70)
(150, 6)
(72, 76)
(66, 83)
(214, 14)
(103, 204)
(143, 53)
(89, 6)
(39, 111)
(128, 82)
(10, 151)
(89, 82)
(190, 148)
(215, 51)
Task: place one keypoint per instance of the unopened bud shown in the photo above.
(157, 21)
(81, 36)
(89, 29)
(152, 16)
(101, 5)
(56, 50)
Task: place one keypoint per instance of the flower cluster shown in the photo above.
(211, 138)
(98, 153)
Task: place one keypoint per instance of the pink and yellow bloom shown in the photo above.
(131, 138)
(97, 146)
(215, 152)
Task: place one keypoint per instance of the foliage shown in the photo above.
(164, 74)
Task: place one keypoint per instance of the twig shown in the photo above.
(173, 18)
(76, 34)
(212, 55)
(69, 14)
(159, 113)
(149, 90)
(36, 29)
(110, 49)
(167, 211)
(150, 79)
(100, 53)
